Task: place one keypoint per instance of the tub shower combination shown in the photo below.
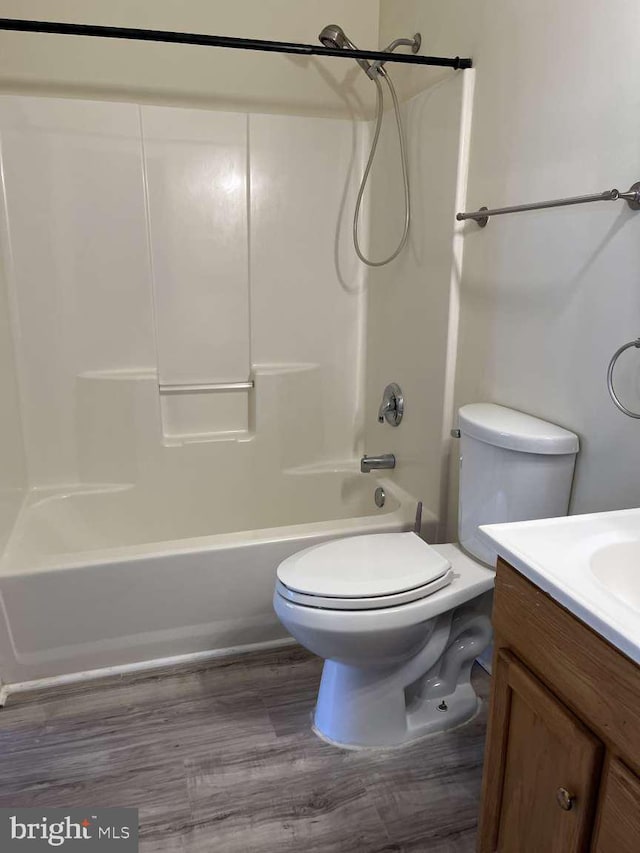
(181, 437)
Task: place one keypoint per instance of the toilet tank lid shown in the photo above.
(503, 427)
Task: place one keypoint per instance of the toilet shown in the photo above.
(399, 622)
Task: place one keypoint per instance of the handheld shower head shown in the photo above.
(335, 38)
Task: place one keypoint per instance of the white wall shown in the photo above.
(69, 66)
(448, 28)
(548, 296)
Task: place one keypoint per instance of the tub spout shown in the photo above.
(371, 463)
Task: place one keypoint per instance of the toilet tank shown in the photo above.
(513, 467)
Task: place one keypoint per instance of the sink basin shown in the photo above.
(617, 568)
(589, 563)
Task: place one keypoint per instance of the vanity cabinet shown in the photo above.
(618, 821)
(562, 758)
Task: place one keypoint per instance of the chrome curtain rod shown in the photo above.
(481, 216)
(169, 37)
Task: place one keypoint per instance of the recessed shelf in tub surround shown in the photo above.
(204, 415)
(130, 431)
(123, 409)
(205, 411)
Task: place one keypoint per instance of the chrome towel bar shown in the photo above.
(481, 216)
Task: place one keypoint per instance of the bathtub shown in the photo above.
(115, 577)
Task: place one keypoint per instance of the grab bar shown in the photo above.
(206, 388)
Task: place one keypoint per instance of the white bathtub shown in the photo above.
(114, 577)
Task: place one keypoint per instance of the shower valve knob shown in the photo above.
(392, 407)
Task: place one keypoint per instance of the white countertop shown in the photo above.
(588, 563)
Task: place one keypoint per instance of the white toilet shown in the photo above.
(398, 622)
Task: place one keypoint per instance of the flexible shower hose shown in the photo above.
(405, 178)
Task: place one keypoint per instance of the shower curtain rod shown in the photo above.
(60, 28)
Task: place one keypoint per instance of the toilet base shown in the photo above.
(390, 706)
(462, 707)
(394, 726)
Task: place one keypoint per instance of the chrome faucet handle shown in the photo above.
(392, 406)
(385, 406)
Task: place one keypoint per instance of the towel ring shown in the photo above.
(610, 387)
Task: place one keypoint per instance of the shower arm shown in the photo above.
(414, 44)
(398, 42)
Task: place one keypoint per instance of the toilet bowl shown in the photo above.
(399, 622)
(393, 671)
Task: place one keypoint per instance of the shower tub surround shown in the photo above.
(154, 256)
(179, 558)
(142, 251)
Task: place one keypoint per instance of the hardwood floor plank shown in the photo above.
(289, 802)
(463, 842)
(95, 745)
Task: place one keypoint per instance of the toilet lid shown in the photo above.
(372, 566)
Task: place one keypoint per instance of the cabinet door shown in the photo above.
(618, 829)
(542, 769)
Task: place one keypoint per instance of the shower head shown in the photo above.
(335, 38)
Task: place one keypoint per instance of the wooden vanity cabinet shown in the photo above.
(618, 819)
(562, 758)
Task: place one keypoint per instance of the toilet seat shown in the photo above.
(374, 602)
(470, 579)
(370, 572)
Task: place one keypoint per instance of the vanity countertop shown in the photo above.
(588, 563)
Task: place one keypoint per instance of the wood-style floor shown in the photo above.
(223, 759)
